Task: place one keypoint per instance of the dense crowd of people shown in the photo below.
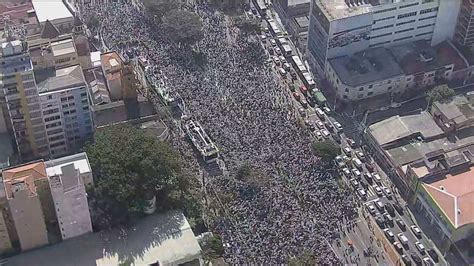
(291, 204)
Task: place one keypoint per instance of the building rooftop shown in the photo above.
(63, 47)
(50, 10)
(79, 160)
(454, 194)
(302, 21)
(459, 109)
(338, 9)
(372, 65)
(111, 61)
(68, 77)
(97, 86)
(22, 178)
(399, 127)
(298, 2)
(419, 56)
(164, 238)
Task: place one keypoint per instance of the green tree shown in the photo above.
(158, 8)
(183, 27)
(440, 93)
(326, 150)
(129, 168)
(92, 23)
(214, 248)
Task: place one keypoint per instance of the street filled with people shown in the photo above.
(289, 203)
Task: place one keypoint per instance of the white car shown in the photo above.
(360, 155)
(371, 209)
(278, 51)
(338, 126)
(326, 110)
(378, 191)
(416, 231)
(389, 234)
(356, 173)
(276, 60)
(354, 182)
(286, 66)
(346, 172)
(387, 192)
(273, 42)
(420, 247)
(320, 124)
(282, 59)
(282, 72)
(347, 151)
(362, 193)
(340, 162)
(319, 136)
(325, 133)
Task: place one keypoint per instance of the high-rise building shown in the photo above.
(20, 96)
(465, 27)
(341, 27)
(23, 205)
(68, 178)
(66, 110)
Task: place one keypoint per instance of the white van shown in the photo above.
(377, 179)
(403, 239)
(357, 163)
(319, 112)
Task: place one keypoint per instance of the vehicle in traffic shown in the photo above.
(326, 110)
(303, 90)
(351, 143)
(390, 209)
(282, 59)
(360, 155)
(428, 262)
(420, 247)
(320, 124)
(389, 235)
(380, 221)
(433, 254)
(377, 179)
(319, 113)
(304, 103)
(416, 231)
(325, 133)
(378, 190)
(415, 258)
(398, 247)
(319, 136)
(338, 126)
(357, 163)
(273, 42)
(398, 208)
(286, 66)
(354, 182)
(401, 224)
(387, 192)
(347, 151)
(403, 239)
(388, 219)
(379, 205)
(368, 177)
(329, 126)
(370, 208)
(347, 172)
(406, 260)
(362, 193)
(356, 173)
(276, 60)
(277, 51)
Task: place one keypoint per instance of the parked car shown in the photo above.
(320, 124)
(326, 110)
(357, 163)
(379, 205)
(362, 193)
(370, 208)
(433, 254)
(398, 208)
(338, 126)
(297, 96)
(387, 192)
(319, 136)
(377, 179)
(416, 231)
(398, 247)
(420, 247)
(346, 172)
(368, 177)
(403, 239)
(273, 42)
(356, 173)
(304, 103)
(415, 258)
(380, 221)
(354, 182)
(378, 190)
(276, 60)
(390, 209)
(406, 260)
(388, 219)
(325, 133)
(360, 155)
(302, 112)
(351, 142)
(389, 235)
(401, 224)
(347, 151)
(428, 262)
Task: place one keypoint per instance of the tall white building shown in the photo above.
(66, 110)
(68, 178)
(343, 27)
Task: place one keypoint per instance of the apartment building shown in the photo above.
(38, 198)
(464, 34)
(20, 96)
(396, 69)
(340, 27)
(66, 110)
(68, 178)
(54, 51)
(23, 206)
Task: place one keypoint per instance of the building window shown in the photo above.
(430, 17)
(370, 93)
(406, 22)
(346, 90)
(389, 88)
(371, 86)
(385, 10)
(361, 88)
(406, 15)
(429, 10)
(405, 30)
(409, 5)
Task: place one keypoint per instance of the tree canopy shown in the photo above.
(440, 93)
(130, 167)
(183, 26)
(158, 8)
(326, 150)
